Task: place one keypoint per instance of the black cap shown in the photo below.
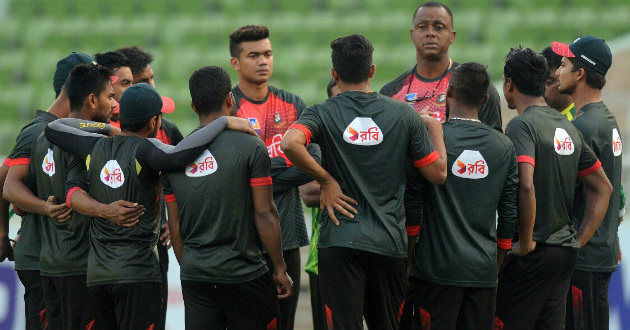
(590, 50)
(65, 65)
(140, 101)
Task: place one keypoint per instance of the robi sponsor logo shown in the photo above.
(255, 125)
(616, 142)
(470, 165)
(363, 131)
(563, 143)
(112, 175)
(204, 165)
(48, 165)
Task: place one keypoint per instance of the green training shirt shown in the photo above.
(601, 132)
(27, 250)
(457, 245)
(65, 246)
(545, 139)
(365, 139)
(217, 226)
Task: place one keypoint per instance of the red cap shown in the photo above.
(168, 105)
(561, 49)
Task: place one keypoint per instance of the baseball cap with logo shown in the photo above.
(140, 101)
(65, 65)
(590, 50)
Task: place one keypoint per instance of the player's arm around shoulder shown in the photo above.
(435, 171)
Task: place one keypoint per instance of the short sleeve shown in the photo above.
(309, 123)
(522, 137)
(21, 153)
(259, 165)
(588, 161)
(420, 149)
(77, 174)
(167, 189)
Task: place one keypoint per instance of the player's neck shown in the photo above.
(61, 107)
(523, 102)
(583, 95)
(253, 91)
(83, 114)
(461, 112)
(431, 69)
(205, 120)
(360, 87)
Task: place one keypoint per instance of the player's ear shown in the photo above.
(229, 100)
(372, 70)
(581, 74)
(452, 38)
(485, 99)
(450, 91)
(92, 101)
(235, 63)
(192, 106)
(334, 75)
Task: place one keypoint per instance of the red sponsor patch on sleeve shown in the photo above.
(265, 181)
(526, 159)
(430, 158)
(590, 170)
(304, 130)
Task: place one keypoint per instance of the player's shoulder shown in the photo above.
(285, 95)
(394, 85)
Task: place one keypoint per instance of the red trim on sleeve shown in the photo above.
(413, 230)
(304, 130)
(69, 195)
(17, 211)
(20, 161)
(7, 162)
(504, 243)
(427, 160)
(590, 170)
(526, 159)
(265, 181)
(169, 198)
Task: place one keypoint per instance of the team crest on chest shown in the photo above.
(48, 165)
(112, 175)
(277, 119)
(441, 98)
(255, 125)
(470, 165)
(204, 165)
(363, 131)
(563, 145)
(616, 142)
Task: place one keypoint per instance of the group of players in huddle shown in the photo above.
(424, 217)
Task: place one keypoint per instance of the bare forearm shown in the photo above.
(84, 204)
(501, 253)
(436, 134)
(268, 227)
(526, 214)
(173, 227)
(596, 206)
(16, 192)
(293, 147)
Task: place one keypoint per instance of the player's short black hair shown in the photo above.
(352, 58)
(246, 33)
(86, 79)
(209, 86)
(527, 70)
(332, 83)
(433, 4)
(135, 125)
(553, 59)
(470, 82)
(594, 79)
(112, 59)
(137, 58)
